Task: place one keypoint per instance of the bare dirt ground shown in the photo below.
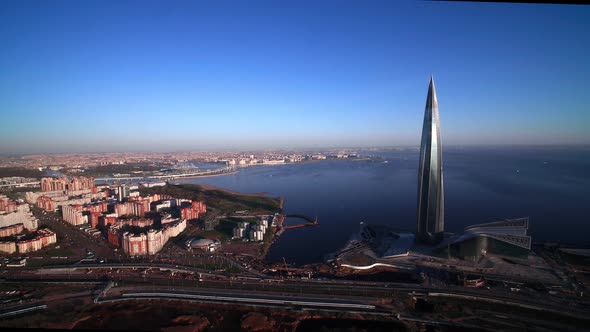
(242, 248)
(178, 317)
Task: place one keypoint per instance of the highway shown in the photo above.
(170, 176)
(71, 234)
(20, 185)
(377, 299)
(211, 279)
(521, 303)
(22, 310)
(259, 289)
(289, 301)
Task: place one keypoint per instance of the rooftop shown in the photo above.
(512, 231)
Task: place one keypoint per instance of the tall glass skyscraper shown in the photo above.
(430, 175)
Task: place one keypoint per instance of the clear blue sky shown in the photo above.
(85, 76)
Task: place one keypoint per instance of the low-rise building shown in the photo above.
(7, 247)
(47, 236)
(204, 244)
(11, 230)
(42, 238)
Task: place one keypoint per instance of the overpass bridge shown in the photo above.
(170, 176)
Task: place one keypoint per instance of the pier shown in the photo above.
(278, 227)
(309, 222)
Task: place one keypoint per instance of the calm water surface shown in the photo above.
(550, 185)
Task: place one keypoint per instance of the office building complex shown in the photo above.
(430, 175)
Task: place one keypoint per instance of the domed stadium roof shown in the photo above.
(199, 243)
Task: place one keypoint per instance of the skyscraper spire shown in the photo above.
(430, 223)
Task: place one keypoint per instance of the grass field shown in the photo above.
(21, 171)
(62, 251)
(226, 202)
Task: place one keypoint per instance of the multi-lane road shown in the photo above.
(183, 282)
(71, 236)
(132, 282)
(186, 278)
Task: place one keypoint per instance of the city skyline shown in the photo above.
(116, 77)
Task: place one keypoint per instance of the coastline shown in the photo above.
(205, 175)
(144, 179)
(227, 191)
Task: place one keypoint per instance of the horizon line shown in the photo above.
(414, 146)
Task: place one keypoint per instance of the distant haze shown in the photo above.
(90, 76)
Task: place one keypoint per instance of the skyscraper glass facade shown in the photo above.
(430, 213)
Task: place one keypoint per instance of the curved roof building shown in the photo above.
(507, 238)
(204, 244)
